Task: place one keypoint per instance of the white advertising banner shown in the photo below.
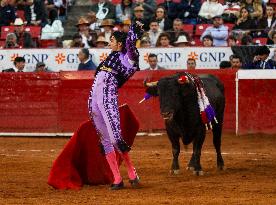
(67, 59)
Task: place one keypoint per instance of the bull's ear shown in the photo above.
(153, 90)
(183, 79)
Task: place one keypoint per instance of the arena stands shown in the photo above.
(51, 28)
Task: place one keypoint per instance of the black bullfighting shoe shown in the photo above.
(135, 183)
(117, 186)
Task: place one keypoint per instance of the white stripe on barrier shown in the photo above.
(256, 74)
(22, 134)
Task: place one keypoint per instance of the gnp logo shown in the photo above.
(14, 56)
(165, 57)
(193, 55)
(60, 58)
(31, 58)
(207, 56)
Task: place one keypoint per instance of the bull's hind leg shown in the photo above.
(175, 151)
(217, 130)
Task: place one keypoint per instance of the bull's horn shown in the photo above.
(150, 84)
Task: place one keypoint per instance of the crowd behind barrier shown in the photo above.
(182, 23)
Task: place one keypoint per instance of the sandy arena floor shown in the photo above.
(250, 177)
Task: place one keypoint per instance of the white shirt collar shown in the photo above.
(86, 61)
(155, 68)
(15, 69)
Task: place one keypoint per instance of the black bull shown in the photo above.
(179, 107)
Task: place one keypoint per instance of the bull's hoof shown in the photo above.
(198, 173)
(175, 171)
(221, 168)
(189, 168)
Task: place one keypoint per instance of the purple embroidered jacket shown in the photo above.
(123, 64)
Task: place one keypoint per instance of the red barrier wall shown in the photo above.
(257, 108)
(57, 102)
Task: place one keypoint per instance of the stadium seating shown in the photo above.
(189, 28)
(49, 43)
(230, 26)
(20, 14)
(260, 41)
(200, 28)
(34, 30)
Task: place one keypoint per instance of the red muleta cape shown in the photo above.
(81, 161)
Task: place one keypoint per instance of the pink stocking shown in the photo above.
(112, 161)
(130, 168)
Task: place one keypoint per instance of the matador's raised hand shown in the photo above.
(140, 25)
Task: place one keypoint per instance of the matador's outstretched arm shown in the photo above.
(135, 32)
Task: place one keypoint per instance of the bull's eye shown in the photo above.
(183, 79)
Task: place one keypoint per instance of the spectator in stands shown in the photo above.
(7, 13)
(209, 9)
(124, 11)
(231, 11)
(154, 32)
(177, 31)
(41, 67)
(207, 41)
(218, 31)
(49, 4)
(35, 13)
(261, 60)
(125, 25)
(272, 37)
(85, 61)
(191, 64)
(236, 62)
(59, 5)
(246, 40)
(19, 65)
(188, 11)
(244, 22)
(225, 65)
(24, 38)
(77, 41)
(254, 7)
(182, 41)
(107, 26)
(11, 41)
(164, 22)
(153, 62)
(101, 42)
(232, 41)
(138, 15)
(163, 41)
(171, 8)
(94, 25)
(54, 28)
(267, 22)
(83, 27)
(149, 7)
(104, 10)
(28, 41)
(145, 43)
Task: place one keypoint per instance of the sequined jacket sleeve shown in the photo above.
(134, 34)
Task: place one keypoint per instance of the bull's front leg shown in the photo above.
(175, 152)
(197, 146)
(174, 138)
